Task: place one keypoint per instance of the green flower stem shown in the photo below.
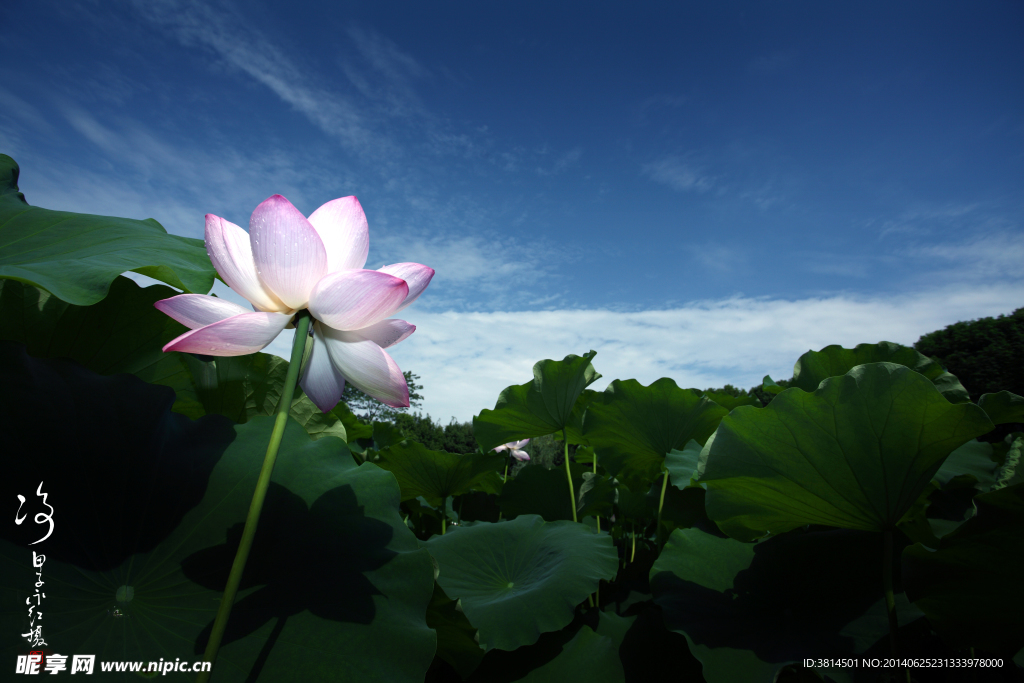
(568, 475)
(572, 493)
(661, 504)
(632, 555)
(890, 601)
(444, 513)
(504, 479)
(302, 321)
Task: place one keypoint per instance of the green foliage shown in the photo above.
(151, 459)
(453, 437)
(76, 256)
(334, 579)
(985, 354)
(855, 454)
(519, 579)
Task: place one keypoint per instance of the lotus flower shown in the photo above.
(513, 447)
(287, 263)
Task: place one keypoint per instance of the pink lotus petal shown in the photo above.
(198, 310)
(387, 332)
(417, 276)
(355, 299)
(521, 456)
(229, 250)
(367, 367)
(322, 383)
(237, 336)
(289, 255)
(341, 225)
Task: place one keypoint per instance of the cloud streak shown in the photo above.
(465, 360)
(679, 174)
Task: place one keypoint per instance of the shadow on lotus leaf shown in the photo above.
(119, 468)
(311, 560)
(798, 594)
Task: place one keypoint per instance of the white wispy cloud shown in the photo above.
(465, 360)
(223, 31)
(679, 174)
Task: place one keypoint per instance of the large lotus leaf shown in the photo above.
(147, 500)
(682, 465)
(539, 491)
(1003, 407)
(596, 496)
(125, 333)
(855, 454)
(970, 587)
(1011, 472)
(354, 429)
(748, 609)
(544, 406)
(680, 508)
(974, 458)
(634, 506)
(76, 255)
(728, 401)
(521, 578)
(435, 475)
(815, 366)
(646, 643)
(632, 427)
(503, 666)
(587, 657)
(456, 637)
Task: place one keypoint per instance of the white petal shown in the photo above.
(237, 336)
(355, 299)
(322, 383)
(342, 227)
(416, 275)
(289, 255)
(387, 332)
(229, 250)
(367, 367)
(198, 310)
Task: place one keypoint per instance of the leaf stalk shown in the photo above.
(302, 322)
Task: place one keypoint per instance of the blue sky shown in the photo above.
(702, 191)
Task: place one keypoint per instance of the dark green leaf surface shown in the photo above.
(748, 609)
(76, 256)
(587, 657)
(435, 475)
(1003, 407)
(633, 427)
(335, 586)
(125, 333)
(815, 366)
(682, 465)
(855, 454)
(729, 402)
(539, 491)
(596, 495)
(456, 637)
(970, 587)
(973, 458)
(519, 579)
(544, 406)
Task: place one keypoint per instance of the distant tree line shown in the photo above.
(986, 355)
